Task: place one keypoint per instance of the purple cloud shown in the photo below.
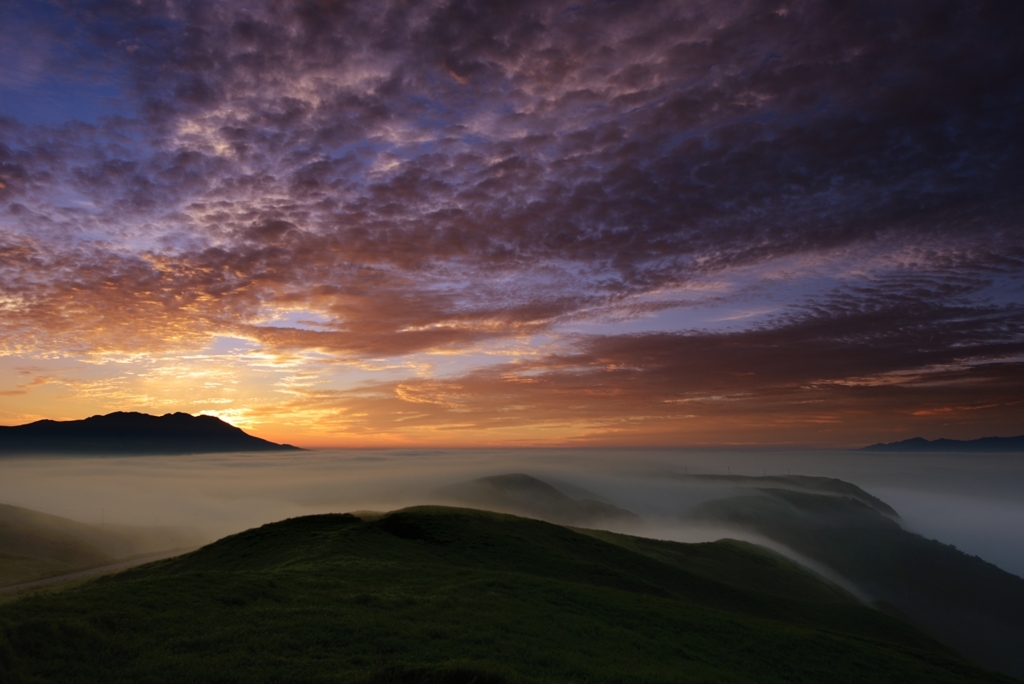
(433, 176)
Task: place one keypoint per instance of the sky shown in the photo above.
(452, 223)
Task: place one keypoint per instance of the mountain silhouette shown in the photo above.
(917, 444)
(132, 433)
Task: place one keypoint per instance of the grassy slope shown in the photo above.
(738, 564)
(439, 594)
(522, 494)
(34, 545)
(967, 603)
(827, 486)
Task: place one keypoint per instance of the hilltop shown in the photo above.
(967, 603)
(435, 594)
(132, 433)
(529, 496)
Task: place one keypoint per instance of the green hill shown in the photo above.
(822, 486)
(35, 545)
(435, 594)
(526, 495)
(964, 601)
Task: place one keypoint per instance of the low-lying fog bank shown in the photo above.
(973, 501)
(857, 530)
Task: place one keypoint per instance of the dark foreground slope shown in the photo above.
(454, 595)
(35, 545)
(132, 433)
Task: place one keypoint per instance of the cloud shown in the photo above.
(424, 178)
(827, 376)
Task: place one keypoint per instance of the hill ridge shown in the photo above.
(448, 595)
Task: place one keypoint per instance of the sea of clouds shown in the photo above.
(973, 501)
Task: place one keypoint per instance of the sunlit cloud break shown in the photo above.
(524, 223)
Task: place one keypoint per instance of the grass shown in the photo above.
(969, 604)
(738, 564)
(36, 545)
(452, 595)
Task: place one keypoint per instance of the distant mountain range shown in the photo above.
(922, 444)
(132, 433)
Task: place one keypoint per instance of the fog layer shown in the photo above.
(973, 501)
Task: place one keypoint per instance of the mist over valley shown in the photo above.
(862, 522)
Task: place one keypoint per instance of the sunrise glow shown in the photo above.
(388, 224)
